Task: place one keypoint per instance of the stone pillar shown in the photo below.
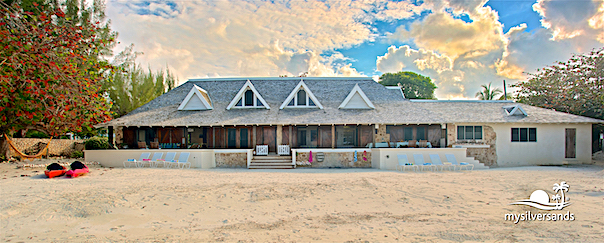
(381, 135)
(451, 134)
(279, 135)
(119, 135)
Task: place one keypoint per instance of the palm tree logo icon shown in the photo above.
(541, 200)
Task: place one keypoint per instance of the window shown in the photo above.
(421, 133)
(249, 98)
(524, 134)
(469, 132)
(346, 136)
(301, 98)
(308, 137)
(141, 135)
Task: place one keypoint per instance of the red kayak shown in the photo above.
(54, 173)
(77, 169)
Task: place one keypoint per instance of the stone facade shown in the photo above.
(337, 160)
(487, 156)
(119, 135)
(231, 160)
(58, 147)
(381, 135)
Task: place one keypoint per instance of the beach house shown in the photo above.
(343, 122)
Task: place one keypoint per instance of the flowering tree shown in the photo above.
(50, 71)
(575, 86)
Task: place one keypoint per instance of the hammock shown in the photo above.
(30, 157)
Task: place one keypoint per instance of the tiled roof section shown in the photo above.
(390, 107)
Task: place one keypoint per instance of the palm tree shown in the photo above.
(487, 93)
(561, 188)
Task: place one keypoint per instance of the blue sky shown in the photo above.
(460, 44)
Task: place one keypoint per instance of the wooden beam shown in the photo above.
(333, 136)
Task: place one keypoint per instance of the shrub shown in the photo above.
(97, 143)
(77, 154)
(36, 134)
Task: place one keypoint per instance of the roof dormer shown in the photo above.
(301, 97)
(248, 97)
(515, 110)
(356, 99)
(197, 99)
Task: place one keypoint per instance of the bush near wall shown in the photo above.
(96, 143)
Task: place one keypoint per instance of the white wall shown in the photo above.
(549, 148)
(386, 158)
(199, 158)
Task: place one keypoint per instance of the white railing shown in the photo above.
(283, 149)
(261, 149)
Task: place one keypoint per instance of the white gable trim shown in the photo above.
(356, 90)
(516, 110)
(309, 94)
(246, 86)
(196, 91)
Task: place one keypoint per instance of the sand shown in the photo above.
(301, 205)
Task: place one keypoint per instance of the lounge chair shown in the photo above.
(153, 160)
(403, 162)
(451, 159)
(419, 160)
(183, 160)
(169, 160)
(412, 144)
(436, 161)
(423, 143)
(142, 145)
(135, 162)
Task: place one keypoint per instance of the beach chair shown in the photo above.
(153, 160)
(419, 160)
(451, 159)
(404, 163)
(134, 162)
(169, 158)
(183, 160)
(437, 162)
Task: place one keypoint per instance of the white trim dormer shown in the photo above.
(356, 99)
(301, 97)
(248, 97)
(197, 99)
(515, 110)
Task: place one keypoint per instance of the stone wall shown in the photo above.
(119, 135)
(231, 160)
(58, 147)
(337, 160)
(487, 156)
(381, 135)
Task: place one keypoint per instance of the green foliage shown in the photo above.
(414, 86)
(575, 86)
(487, 93)
(132, 86)
(36, 134)
(52, 67)
(95, 143)
(77, 154)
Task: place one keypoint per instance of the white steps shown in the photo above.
(271, 162)
(476, 163)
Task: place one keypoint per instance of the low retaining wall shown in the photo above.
(199, 158)
(387, 159)
(58, 147)
(231, 159)
(334, 158)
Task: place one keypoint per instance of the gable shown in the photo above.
(197, 99)
(515, 110)
(356, 99)
(248, 97)
(301, 97)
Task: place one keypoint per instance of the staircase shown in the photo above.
(271, 161)
(477, 164)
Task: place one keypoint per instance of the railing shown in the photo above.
(261, 149)
(283, 149)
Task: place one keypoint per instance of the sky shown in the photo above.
(459, 44)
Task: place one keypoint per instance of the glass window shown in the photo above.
(469, 132)
(249, 98)
(302, 97)
(421, 133)
(478, 132)
(532, 134)
(291, 103)
(408, 133)
(524, 134)
(259, 103)
(346, 136)
(515, 135)
(240, 102)
(308, 137)
(310, 103)
(460, 132)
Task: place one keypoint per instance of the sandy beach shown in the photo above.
(301, 205)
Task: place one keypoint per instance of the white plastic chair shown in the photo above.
(404, 163)
(169, 158)
(451, 159)
(183, 160)
(154, 159)
(437, 162)
(419, 160)
(135, 162)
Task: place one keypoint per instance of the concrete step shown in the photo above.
(272, 158)
(476, 163)
(271, 167)
(271, 161)
(270, 164)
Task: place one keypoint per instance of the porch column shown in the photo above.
(110, 134)
(333, 136)
(254, 137)
(279, 135)
(291, 136)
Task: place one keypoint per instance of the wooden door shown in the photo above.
(231, 138)
(571, 143)
(270, 138)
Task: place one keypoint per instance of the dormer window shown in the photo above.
(248, 97)
(301, 97)
(514, 110)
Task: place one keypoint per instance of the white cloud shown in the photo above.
(569, 20)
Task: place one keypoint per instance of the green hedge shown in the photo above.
(97, 143)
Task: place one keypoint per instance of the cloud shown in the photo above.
(580, 18)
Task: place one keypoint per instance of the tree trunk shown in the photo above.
(4, 150)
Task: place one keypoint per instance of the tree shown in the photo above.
(50, 71)
(575, 86)
(414, 86)
(132, 86)
(487, 93)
